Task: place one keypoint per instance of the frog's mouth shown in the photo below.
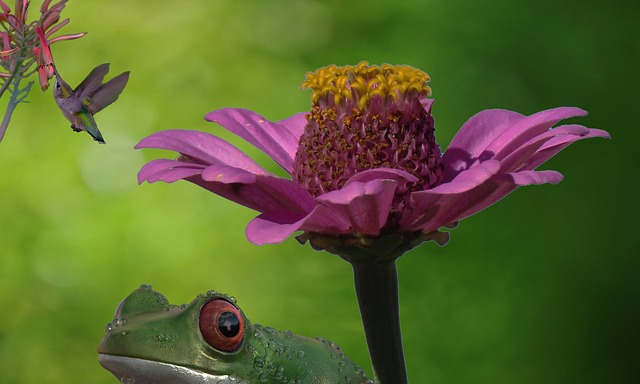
(130, 370)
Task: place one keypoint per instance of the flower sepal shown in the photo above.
(364, 248)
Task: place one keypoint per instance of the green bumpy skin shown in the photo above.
(210, 340)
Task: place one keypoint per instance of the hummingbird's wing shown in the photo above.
(107, 93)
(92, 82)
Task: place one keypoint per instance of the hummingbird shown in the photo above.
(88, 98)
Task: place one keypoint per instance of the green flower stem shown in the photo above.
(376, 280)
(17, 95)
(377, 291)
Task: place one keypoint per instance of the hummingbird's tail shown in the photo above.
(95, 133)
(97, 136)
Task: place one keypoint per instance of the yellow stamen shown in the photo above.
(363, 82)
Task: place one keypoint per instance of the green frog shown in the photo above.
(210, 340)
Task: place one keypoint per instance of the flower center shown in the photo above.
(366, 117)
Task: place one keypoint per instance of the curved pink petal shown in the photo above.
(467, 179)
(295, 124)
(473, 137)
(168, 171)
(274, 227)
(275, 140)
(494, 134)
(521, 157)
(227, 175)
(523, 178)
(201, 147)
(498, 188)
(555, 145)
(382, 173)
(365, 205)
(264, 193)
(528, 128)
(442, 202)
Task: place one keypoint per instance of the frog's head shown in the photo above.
(211, 341)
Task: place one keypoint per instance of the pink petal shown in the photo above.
(521, 157)
(493, 134)
(398, 175)
(439, 206)
(451, 208)
(555, 145)
(225, 174)
(467, 179)
(473, 137)
(265, 193)
(275, 140)
(427, 104)
(528, 128)
(366, 206)
(534, 177)
(274, 227)
(201, 147)
(295, 124)
(168, 171)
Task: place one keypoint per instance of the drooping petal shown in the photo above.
(221, 168)
(466, 180)
(520, 158)
(275, 140)
(225, 174)
(555, 145)
(494, 134)
(274, 227)
(523, 178)
(263, 193)
(168, 171)
(528, 128)
(365, 205)
(498, 188)
(438, 206)
(201, 147)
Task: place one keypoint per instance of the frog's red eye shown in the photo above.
(221, 325)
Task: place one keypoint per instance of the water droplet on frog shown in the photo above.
(279, 373)
(124, 333)
(108, 327)
(233, 299)
(118, 322)
(264, 377)
(258, 362)
(300, 354)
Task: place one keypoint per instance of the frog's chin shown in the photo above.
(130, 370)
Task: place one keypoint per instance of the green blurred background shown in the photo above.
(542, 287)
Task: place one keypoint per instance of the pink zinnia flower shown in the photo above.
(364, 163)
(367, 179)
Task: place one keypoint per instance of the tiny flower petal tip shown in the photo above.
(365, 168)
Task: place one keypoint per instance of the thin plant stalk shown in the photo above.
(376, 286)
